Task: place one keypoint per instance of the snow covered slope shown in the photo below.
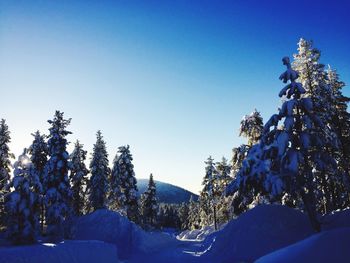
(259, 231)
(328, 246)
(68, 251)
(167, 193)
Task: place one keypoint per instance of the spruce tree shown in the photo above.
(116, 197)
(5, 165)
(194, 219)
(184, 215)
(22, 220)
(98, 183)
(78, 178)
(251, 127)
(208, 195)
(38, 156)
(282, 166)
(58, 193)
(125, 184)
(149, 204)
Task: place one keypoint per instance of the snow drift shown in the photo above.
(328, 246)
(259, 231)
(67, 251)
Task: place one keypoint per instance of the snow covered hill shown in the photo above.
(167, 193)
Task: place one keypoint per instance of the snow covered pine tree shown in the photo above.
(124, 184)
(98, 183)
(22, 221)
(38, 156)
(282, 164)
(5, 166)
(78, 178)
(149, 205)
(58, 194)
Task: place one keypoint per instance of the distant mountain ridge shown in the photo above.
(167, 193)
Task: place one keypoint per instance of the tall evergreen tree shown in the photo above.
(78, 178)
(98, 183)
(284, 161)
(5, 165)
(58, 193)
(38, 156)
(116, 197)
(209, 194)
(194, 219)
(22, 219)
(149, 204)
(125, 184)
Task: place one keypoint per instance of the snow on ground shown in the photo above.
(328, 246)
(198, 234)
(336, 220)
(67, 251)
(106, 236)
(259, 231)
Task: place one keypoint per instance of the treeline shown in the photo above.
(299, 158)
(50, 187)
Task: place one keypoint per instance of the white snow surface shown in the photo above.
(64, 252)
(329, 246)
(271, 230)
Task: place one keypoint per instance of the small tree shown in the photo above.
(58, 194)
(149, 204)
(78, 178)
(22, 219)
(98, 183)
(5, 165)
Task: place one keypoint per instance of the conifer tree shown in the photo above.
(116, 197)
(125, 184)
(208, 195)
(78, 178)
(5, 165)
(58, 193)
(38, 156)
(149, 204)
(284, 161)
(194, 219)
(98, 183)
(184, 215)
(22, 220)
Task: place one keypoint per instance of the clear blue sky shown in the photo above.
(170, 78)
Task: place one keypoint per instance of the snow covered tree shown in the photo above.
(116, 197)
(78, 178)
(251, 127)
(209, 194)
(183, 215)
(124, 184)
(98, 183)
(22, 220)
(194, 219)
(58, 191)
(324, 90)
(38, 156)
(149, 204)
(283, 165)
(5, 165)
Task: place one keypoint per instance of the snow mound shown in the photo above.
(68, 251)
(107, 226)
(336, 220)
(259, 231)
(329, 246)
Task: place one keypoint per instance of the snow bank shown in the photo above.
(328, 246)
(259, 231)
(68, 251)
(336, 220)
(107, 226)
